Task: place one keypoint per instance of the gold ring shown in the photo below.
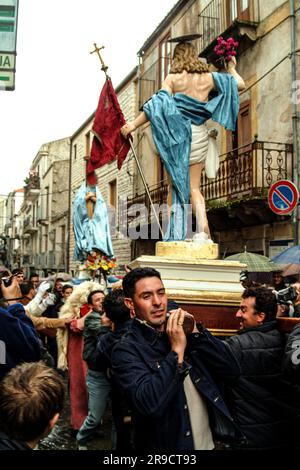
(180, 323)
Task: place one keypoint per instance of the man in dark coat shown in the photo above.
(116, 310)
(168, 377)
(291, 360)
(18, 338)
(264, 402)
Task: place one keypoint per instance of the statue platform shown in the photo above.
(208, 288)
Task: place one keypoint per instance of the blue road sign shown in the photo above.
(283, 197)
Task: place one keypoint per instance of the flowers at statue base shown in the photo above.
(226, 49)
(96, 261)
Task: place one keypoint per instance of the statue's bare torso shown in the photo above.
(195, 85)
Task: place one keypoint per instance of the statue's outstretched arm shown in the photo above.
(133, 125)
(231, 68)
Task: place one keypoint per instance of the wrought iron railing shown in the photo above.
(249, 170)
(246, 171)
(158, 195)
(29, 223)
(218, 15)
(32, 182)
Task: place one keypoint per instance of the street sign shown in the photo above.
(7, 61)
(283, 197)
(7, 79)
(8, 43)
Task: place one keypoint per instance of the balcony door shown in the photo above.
(244, 125)
(242, 136)
(239, 158)
(164, 58)
(238, 9)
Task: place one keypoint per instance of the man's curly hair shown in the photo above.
(265, 301)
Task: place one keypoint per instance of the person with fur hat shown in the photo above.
(70, 349)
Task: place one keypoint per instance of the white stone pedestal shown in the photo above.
(197, 280)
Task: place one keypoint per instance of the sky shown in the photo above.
(58, 81)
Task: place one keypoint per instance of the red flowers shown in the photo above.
(226, 49)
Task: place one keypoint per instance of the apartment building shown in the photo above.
(44, 212)
(12, 231)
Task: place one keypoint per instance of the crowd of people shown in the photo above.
(171, 384)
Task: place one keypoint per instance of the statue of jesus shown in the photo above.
(190, 95)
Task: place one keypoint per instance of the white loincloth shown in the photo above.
(204, 150)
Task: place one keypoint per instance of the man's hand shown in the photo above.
(49, 300)
(176, 334)
(12, 292)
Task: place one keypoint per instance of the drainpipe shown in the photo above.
(69, 208)
(294, 117)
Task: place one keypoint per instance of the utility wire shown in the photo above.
(288, 56)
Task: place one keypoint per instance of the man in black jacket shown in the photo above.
(168, 377)
(97, 384)
(264, 402)
(291, 361)
(116, 310)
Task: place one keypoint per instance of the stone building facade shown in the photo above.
(44, 212)
(12, 229)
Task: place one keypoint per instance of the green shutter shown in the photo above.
(7, 11)
(7, 26)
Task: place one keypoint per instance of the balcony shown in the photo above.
(27, 259)
(32, 188)
(41, 261)
(158, 195)
(41, 216)
(227, 18)
(29, 226)
(249, 171)
(244, 177)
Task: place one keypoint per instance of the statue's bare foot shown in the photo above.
(202, 238)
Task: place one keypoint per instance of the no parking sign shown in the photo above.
(283, 197)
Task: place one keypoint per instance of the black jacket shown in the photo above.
(146, 368)
(91, 332)
(19, 341)
(264, 402)
(6, 443)
(291, 360)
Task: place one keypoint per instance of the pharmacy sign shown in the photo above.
(8, 43)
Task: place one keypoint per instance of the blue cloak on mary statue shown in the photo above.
(90, 233)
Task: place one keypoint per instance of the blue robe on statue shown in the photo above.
(89, 233)
(171, 118)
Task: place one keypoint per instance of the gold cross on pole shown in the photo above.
(97, 50)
